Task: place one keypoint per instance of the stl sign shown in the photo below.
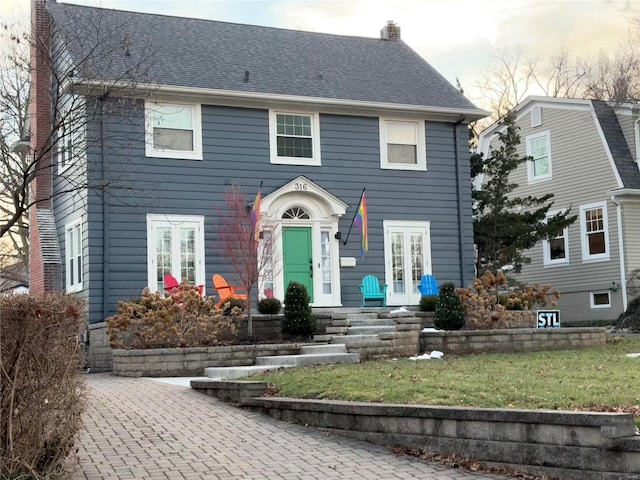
(548, 318)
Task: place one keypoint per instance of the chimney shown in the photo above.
(390, 31)
(44, 268)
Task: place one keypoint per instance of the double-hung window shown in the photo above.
(594, 231)
(539, 149)
(556, 250)
(294, 138)
(73, 256)
(173, 130)
(70, 139)
(175, 245)
(402, 145)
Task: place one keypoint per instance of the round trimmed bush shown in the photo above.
(269, 306)
(428, 303)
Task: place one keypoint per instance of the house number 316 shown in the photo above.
(300, 186)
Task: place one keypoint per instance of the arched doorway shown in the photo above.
(303, 219)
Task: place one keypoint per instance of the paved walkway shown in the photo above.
(140, 428)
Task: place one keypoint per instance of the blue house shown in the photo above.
(176, 111)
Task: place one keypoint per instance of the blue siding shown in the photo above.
(236, 150)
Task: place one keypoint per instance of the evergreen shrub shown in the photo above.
(428, 303)
(298, 319)
(449, 314)
(269, 306)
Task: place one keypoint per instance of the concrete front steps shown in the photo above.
(356, 327)
(309, 355)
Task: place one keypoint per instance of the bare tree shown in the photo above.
(247, 245)
(14, 103)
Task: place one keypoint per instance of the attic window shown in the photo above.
(536, 117)
(173, 130)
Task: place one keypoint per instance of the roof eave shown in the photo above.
(127, 88)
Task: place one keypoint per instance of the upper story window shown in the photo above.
(73, 256)
(539, 149)
(402, 145)
(70, 137)
(294, 138)
(173, 130)
(594, 231)
(556, 250)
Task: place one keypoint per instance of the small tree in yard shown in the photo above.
(449, 311)
(250, 256)
(298, 319)
(504, 224)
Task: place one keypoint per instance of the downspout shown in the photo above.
(623, 275)
(105, 220)
(465, 281)
(636, 130)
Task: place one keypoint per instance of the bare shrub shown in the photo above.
(183, 319)
(490, 302)
(42, 392)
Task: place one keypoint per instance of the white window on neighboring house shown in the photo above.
(539, 149)
(173, 130)
(556, 250)
(73, 256)
(402, 145)
(600, 299)
(175, 245)
(70, 137)
(294, 138)
(594, 232)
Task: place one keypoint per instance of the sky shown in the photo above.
(459, 38)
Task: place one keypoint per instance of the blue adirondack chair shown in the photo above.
(428, 286)
(371, 290)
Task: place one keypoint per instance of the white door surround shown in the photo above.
(324, 211)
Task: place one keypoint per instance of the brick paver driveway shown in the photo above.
(139, 428)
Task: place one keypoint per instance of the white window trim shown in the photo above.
(530, 172)
(150, 151)
(69, 127)
(421, 147)
(546, 250)
(69, 228)
(600, 257)
(174, 220)
(316, 160)
(592, 300)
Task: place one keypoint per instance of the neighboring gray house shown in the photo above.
(586, 153)
(314, 117)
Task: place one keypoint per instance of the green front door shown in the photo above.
(298, 261)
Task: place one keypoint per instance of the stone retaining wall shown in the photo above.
(463, 342)
(176, 362)
(560, 444)
(99, 356)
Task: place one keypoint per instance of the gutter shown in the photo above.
(129, 88)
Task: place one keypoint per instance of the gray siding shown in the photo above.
(581, 174)
(236, 151)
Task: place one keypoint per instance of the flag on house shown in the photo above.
(361, 221)
(255, 214)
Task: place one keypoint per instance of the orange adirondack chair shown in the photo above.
(226, 291)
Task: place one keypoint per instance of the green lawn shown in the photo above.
(554, 380)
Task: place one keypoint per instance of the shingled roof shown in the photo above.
(624, 161)
(205, 54)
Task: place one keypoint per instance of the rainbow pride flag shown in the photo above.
(361, 221)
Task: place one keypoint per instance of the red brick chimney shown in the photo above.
(44, 252)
